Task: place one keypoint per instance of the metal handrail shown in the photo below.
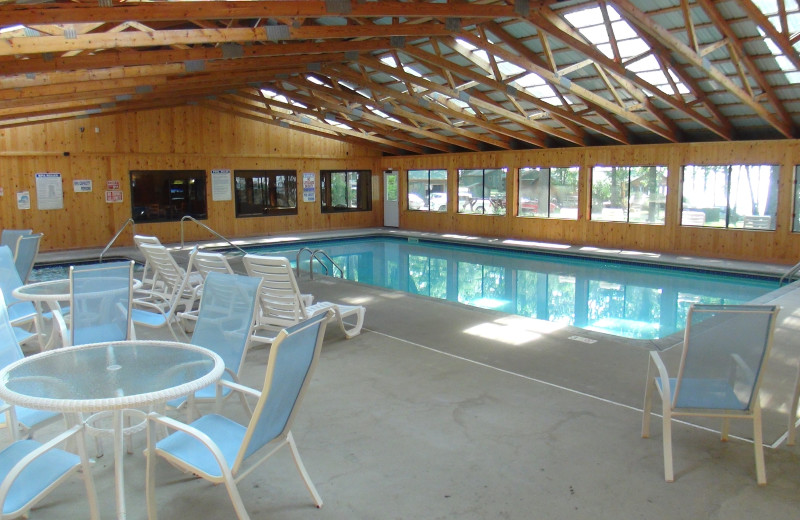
(108, 246)
(313, 257)
(789, 273)
(187, 217)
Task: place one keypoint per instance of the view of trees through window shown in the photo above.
(482, 191)
(635, 194)
(548, 192)
(346, 190)
(168, 195)
(265, 192)
(730, 196)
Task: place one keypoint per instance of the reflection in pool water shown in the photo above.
(629, 300)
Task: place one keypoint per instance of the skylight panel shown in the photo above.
(11, 28)
(530, 80)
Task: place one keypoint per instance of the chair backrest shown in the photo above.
(725, 352)
(280, 299)
(100, 302)
(9, 237)
(10, 350)
(10, 280)
(147, 272)
(226, 317)
(292, 359)
(169, 277)
(25, 254)
(207, 262)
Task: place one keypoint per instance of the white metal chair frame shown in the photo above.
(658, 381)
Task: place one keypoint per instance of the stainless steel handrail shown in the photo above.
(789, 273)
(187, 217)
(108, 246)
(313, 257)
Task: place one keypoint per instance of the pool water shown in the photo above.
(623, 299)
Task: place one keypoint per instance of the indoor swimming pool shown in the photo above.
(624, 299)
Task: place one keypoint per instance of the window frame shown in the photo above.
(271, 187)
(499, 209)
(627, 194)
(731, 216)
(363, 188)
(160, 197)
(428, 189)
(550, 196)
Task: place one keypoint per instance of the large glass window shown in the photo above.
(261, 192)
(427, 190)
(548, 192)
(168, 195)
(482, 191)
(635, 194)
(346, 190)
(730, 196)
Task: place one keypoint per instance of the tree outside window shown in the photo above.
(265, 192)
(346, 190)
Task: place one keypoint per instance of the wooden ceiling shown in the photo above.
(418, 77)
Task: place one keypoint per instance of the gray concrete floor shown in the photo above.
(438, 410)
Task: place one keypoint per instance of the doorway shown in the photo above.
(391, 203)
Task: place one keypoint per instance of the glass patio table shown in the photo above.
(110, 378)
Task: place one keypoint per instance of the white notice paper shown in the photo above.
(220, 185)
(48, 191)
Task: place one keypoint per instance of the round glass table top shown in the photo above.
(104, 376)
(56, 289)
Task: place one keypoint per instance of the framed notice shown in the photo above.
(309, 187)
(48, 191)
(23, 200)
(113, 196)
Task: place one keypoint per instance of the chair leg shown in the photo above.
(302, 469)
(726, 426)
(666, 426)
(649, 390)
(758, 446)
(150, 472)
(792, 429)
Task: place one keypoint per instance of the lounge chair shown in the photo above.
(24, 317)
(724, 356)
(202, 263)
(282, 304)
(25, 254)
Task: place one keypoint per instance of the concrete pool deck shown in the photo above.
(438, 410)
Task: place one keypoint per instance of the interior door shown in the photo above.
(391, 204)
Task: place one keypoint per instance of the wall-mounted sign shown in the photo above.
(113, 196)
(82, 186)
(112, 185)
(48, 191)
(23, 200)
(220, 185)
(309, 187)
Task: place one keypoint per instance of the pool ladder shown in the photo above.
(315, 255)
(789, 274)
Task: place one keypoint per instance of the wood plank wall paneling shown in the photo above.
(194, 138)
(779, 246)
(105, 149)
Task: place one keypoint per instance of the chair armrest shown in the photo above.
(237, 387)
(173, 424)
(663, 376)
(60, 328)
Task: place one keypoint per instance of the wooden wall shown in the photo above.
(779, 246)
(106, 149)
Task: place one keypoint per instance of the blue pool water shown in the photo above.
(623, 299)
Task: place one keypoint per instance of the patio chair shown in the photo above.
(282, 305)
(203, 263)
(725, 352)
(22, 314)
(147, 272)
(224, 324)
(100, 302)
(20, 421)
(171, 291)
(9, 237)
(31, 469)
(223, 451)
(25, 254)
